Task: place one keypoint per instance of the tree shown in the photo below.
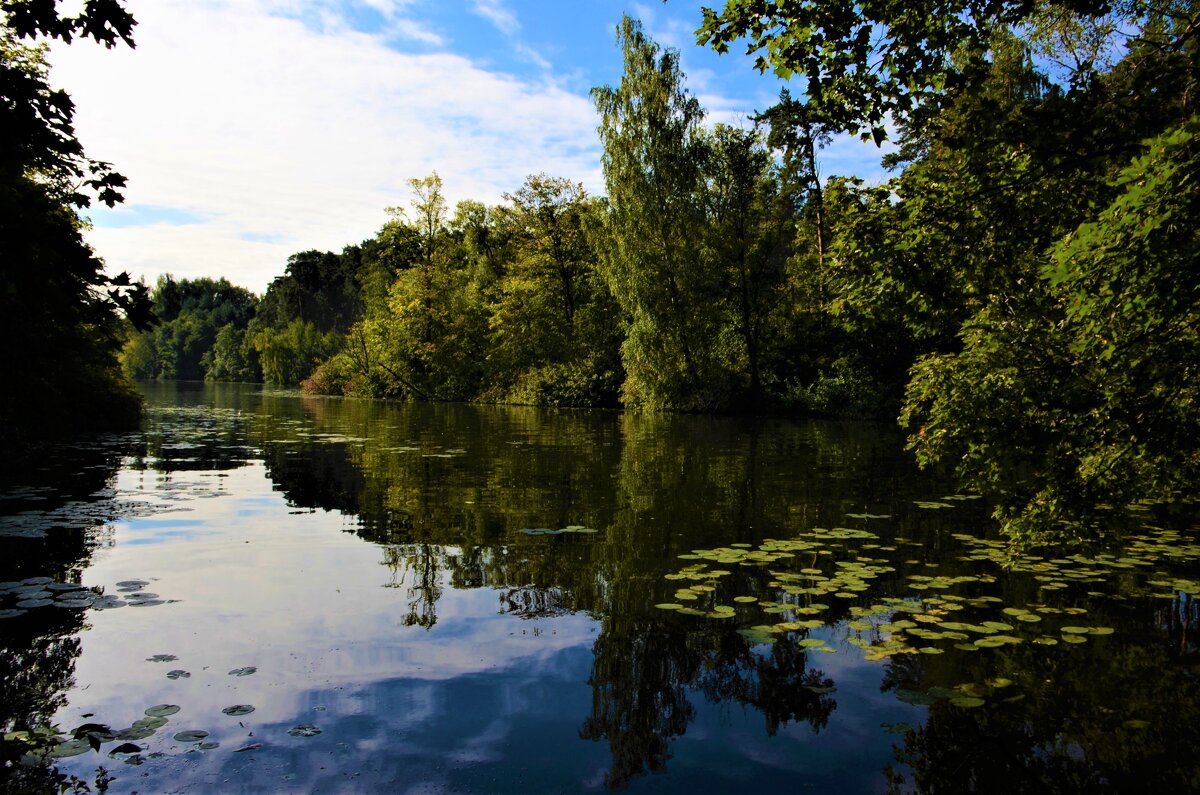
(870, 61)
(424, 338)
(551, 337)
(57, 307)
(750, 227)
(649, 243)
(191, 314)
(1082, 397)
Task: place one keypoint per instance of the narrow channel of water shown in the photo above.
(264, 592)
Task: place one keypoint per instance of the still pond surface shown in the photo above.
(265, 592)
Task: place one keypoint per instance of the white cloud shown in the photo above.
(495, 12)
(268, 130)
(533, 56)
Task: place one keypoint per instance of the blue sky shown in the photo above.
(253, 129)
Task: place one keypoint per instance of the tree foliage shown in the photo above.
(57, 306)
(866, 62)
(1082, 398)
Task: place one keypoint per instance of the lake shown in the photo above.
(269, 592)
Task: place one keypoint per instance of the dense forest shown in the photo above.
(1022, 291)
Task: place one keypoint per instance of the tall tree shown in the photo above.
(650, 243)
(552, 337)
(56, 304)
(750, 226)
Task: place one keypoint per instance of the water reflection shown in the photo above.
(471, 644)
(53, 510)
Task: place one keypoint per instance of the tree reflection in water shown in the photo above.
(445, 492)
(38, 650)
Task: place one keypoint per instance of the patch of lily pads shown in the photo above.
(813, 580)
(35, 593)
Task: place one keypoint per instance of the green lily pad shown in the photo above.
(238, 709)
(162, 710)
(245, 671)
(135, 733)
(190, 736)
(73, 747)
(916, 697)
(967, 702)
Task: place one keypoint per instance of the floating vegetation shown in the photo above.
(246, 671)
(36, 593)
(190, 736)
(546, 531)
(824, 578)
(162, 710)
(126, 748)
(304, 730)
(162, 658)
(238, 709)
(178, 673)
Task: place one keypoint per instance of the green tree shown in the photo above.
(191, 313)
(232, 357)
(1082, 397)
(651, 239)
(425, 339)
(551, 336)
(750, 229)
(868, 61)
(290, 354)
(57, 306)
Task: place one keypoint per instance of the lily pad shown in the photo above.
(162, 710)
(304, 730)
(190, 736)
(135, 733)
(126, 748)
(245, 671)
(178, 673)
(73, 747)
(238, 709)
(967, 702)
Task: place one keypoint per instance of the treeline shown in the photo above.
(699, 283)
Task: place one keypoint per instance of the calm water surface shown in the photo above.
(443, 598)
